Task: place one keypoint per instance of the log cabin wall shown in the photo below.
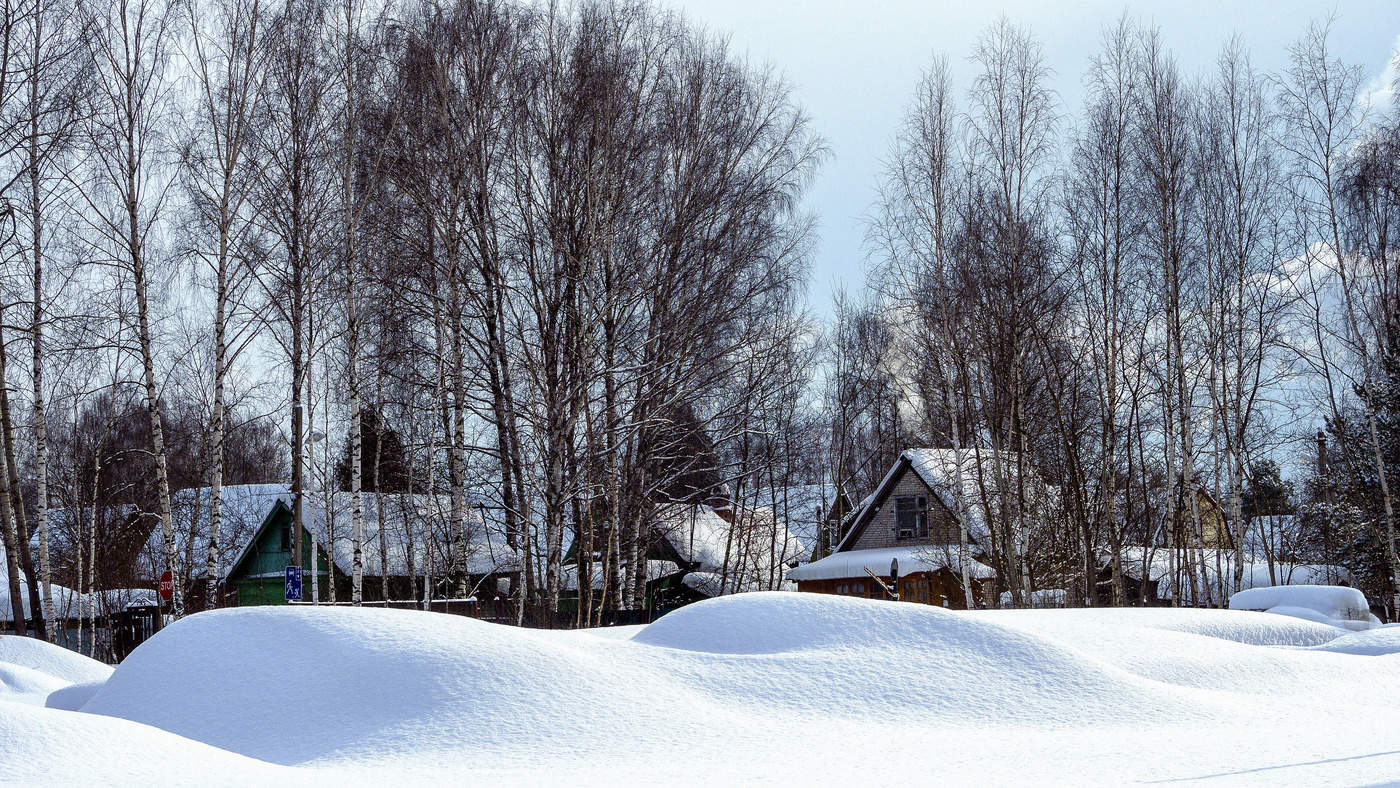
(940, 589)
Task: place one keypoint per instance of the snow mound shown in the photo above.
(772, 688)
(1371, 643)
(1085, 625)
(768, 623)
(69, 666)
(27, 685)
(72, 696)
(1334, 602)
(874, 658)
(53, 747)
(34, 671)
(371, 684)
(320, 684)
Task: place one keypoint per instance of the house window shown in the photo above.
(911, 516)
(841, 589)
(287, 538)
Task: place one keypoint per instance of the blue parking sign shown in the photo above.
(293, 584)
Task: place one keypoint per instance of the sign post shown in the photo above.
(293, 584)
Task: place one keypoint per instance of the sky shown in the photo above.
(853, 67)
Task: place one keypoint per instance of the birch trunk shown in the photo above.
(11, 551)
(152, 397)
(41, 434)
(26, 556)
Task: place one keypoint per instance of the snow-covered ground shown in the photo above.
(771, 688)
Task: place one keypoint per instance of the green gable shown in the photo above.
(259, 572)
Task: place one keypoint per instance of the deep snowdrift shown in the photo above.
(776, 688)
(40, 673)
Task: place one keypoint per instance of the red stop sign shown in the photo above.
(167, 585)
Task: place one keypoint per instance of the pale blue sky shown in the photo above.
(854, 65)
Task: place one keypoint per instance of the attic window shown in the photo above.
(911, 516)
(287, 538)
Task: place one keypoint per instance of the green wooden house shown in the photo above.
(257, 577)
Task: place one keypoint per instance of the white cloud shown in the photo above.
(1379, 94)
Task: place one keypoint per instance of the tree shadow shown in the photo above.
(1274, 768)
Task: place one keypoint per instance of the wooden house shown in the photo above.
(1216, 533)
(256, 575)
(405, 543)
(910, 519)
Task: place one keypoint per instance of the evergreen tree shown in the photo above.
(383, 466)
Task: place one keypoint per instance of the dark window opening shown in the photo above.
(911, 516)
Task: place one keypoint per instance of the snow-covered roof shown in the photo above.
(655, 571)
(424, 515)
(68, 603)
(751, 551)
(913, 558)
(803, 507)
(981, 470)
(704, 538)
(713, 584)
(422, 520)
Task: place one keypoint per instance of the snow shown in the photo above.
(1337, 605)
(750, 547)
(69, 604)
(1369, 643)
(655, 571)
(1331, 601)
(939, 470)
(802, 507)
(712, 584)
(487, 551)
(246, 506)
(60, 663)
(37, 673)
(913, 558)
(762, 688)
